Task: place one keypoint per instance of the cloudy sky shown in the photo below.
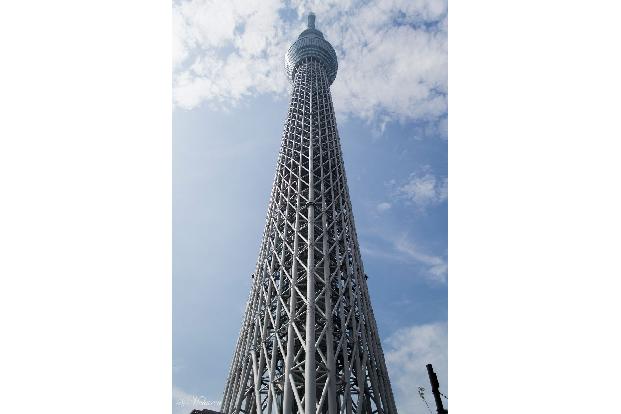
(230, 97)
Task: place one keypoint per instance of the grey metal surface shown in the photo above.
(311, 44)
(309, 342)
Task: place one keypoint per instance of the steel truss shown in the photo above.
(309, 342)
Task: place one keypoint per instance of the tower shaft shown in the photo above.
(309, 342)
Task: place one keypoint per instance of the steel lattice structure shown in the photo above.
(309, 342)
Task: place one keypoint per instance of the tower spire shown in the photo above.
(311, 20)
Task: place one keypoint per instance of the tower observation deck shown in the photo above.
(309, 341)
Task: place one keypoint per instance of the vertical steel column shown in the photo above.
(288, 392)
(309, 366)
(275, 343)
(326, 256)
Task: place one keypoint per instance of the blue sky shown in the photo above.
(230, 100)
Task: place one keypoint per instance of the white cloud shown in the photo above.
(392, 54)
(400, 248)
(381, 207)
(409, 350)
(437, 267)
(224, 51)
(425, 189)
(183, 402)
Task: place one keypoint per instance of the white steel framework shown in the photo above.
(309, 342)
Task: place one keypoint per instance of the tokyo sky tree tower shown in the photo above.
(309, 342)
